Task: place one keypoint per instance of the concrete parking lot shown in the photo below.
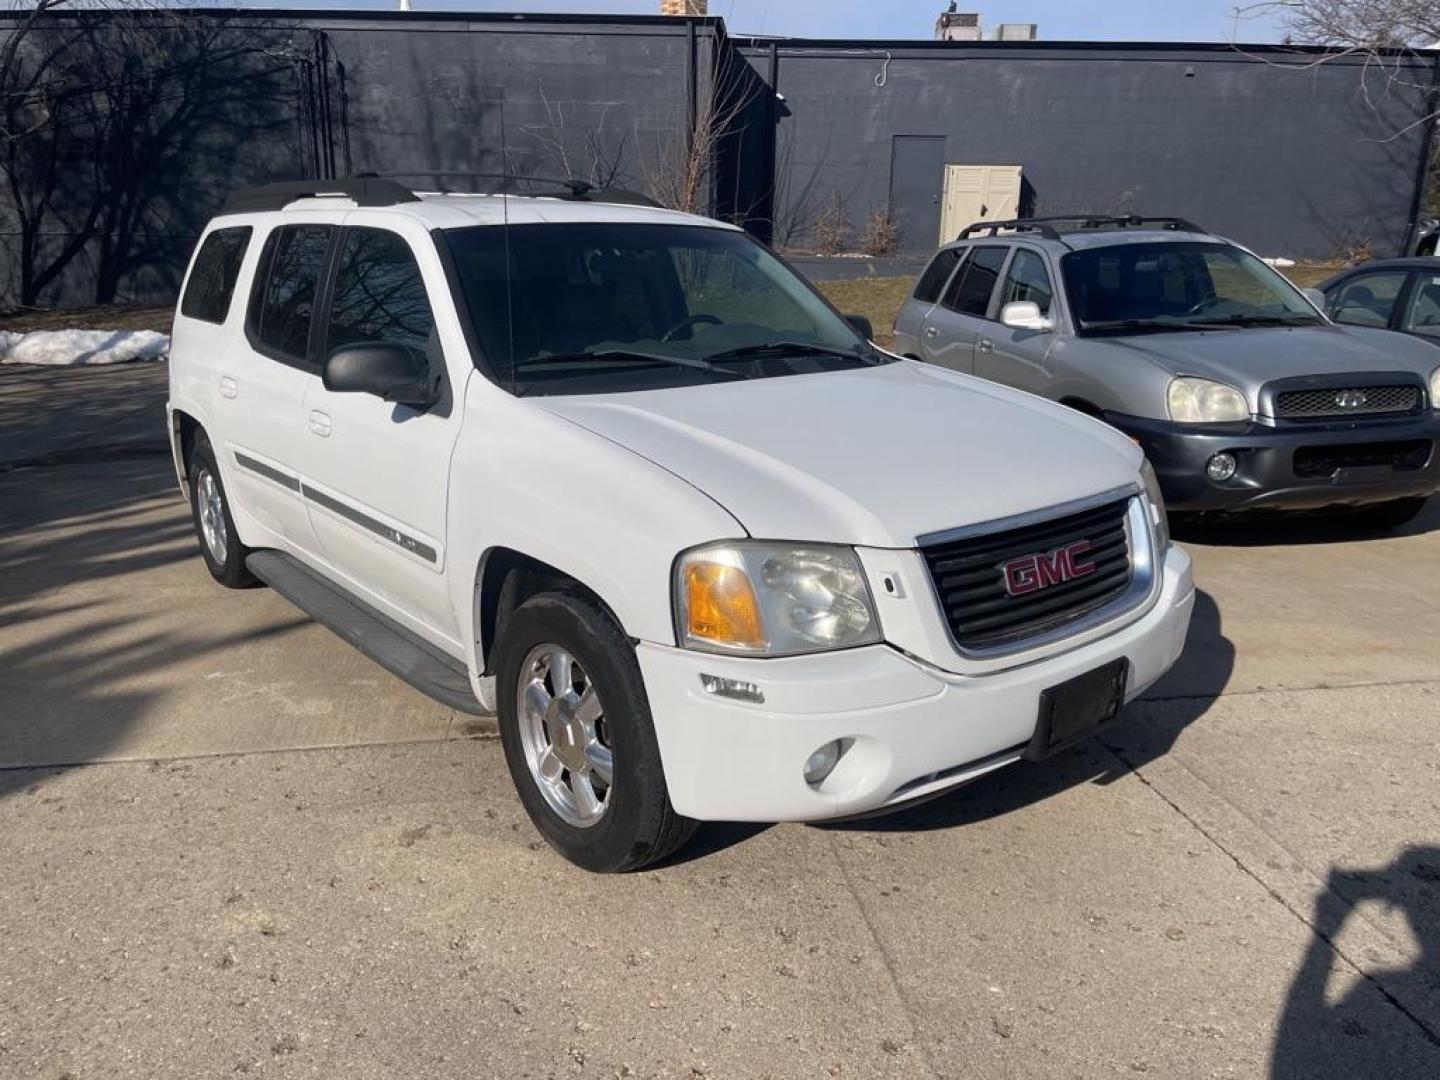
(229, 844)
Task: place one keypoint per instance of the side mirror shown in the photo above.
(1025, 315)
(1315, 296)
(862, 326)
(392, 372)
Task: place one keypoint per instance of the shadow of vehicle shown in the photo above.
(1150, 728)
(1274, 529)
(1325, 1037)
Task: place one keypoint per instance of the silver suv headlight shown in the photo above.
(757, 598)
(1203, 401)
(1435, 390)
(1156, 500)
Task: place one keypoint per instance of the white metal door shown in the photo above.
(978, 193)
(377, 473)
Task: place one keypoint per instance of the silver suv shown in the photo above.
(1241, 392)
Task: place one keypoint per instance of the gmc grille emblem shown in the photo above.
(1351, 399)
(1031, 573)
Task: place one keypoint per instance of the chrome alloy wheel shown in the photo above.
(212, 516)
(562, 729)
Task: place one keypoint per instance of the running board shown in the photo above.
(382, 639)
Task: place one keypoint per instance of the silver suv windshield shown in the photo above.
(1178, 285)
(604, 307)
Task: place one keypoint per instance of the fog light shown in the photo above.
(1221, 467)
(823, 761)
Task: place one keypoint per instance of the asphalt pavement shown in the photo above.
(230, 845)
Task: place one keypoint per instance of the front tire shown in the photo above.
(220, 544)
(578, 737)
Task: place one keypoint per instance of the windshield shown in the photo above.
(602, 307)
(1178, 286)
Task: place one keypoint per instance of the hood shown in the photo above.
(875, 456)
(1248, 358)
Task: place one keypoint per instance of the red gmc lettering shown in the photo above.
(1031, 573)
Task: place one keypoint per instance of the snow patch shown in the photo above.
(82, 348)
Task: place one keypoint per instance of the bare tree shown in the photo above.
(105, 109)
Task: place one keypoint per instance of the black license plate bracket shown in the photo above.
(1077, 708)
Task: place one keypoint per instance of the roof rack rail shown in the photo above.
(580, 190)
(1051, 227)
(366, 190)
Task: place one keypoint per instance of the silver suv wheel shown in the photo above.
(212, 515)
(562, 730)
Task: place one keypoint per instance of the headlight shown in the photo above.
(1200, 401)
(1157, 506)
(1435, 390)
(767, 599)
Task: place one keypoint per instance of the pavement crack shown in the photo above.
(1429, 1033)
(1316, 689)
(895, 984)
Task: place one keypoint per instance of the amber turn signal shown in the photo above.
(721, 607)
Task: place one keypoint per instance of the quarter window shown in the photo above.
(1027, 279)
(379, 293)
(212, 279)
(936, 274)
(969, 293)
(285, 302)
(1367, 300)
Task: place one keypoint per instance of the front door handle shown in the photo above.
(320, 423)
(932, 331)
(228, 387)
(985, 345)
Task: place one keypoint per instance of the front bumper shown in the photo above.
(1267, 477)
(916, 729)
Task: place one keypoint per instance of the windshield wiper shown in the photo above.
(612, 355)
(786, 348)
(1158, 325)
(1259, 320)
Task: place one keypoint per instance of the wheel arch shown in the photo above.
(184, 429)
(504, 579)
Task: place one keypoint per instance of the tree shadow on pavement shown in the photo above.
(1323, 1035)
(83, 657)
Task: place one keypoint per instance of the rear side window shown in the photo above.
(212, 281)
(379, 294)
(283, 304)
(936, 274)
(970, 292)
(1027, 279)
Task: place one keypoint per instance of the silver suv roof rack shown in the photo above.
(1052, 227)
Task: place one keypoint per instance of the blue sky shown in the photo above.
(1135, 20)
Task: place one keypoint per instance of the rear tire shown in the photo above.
(578, 737)
(220, 544)
(1393, 514)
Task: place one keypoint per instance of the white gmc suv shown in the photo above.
(620, 476)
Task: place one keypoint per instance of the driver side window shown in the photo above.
(1424, 314)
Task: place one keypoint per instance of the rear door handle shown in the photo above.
(320, 423)
(932, 331)
(228, 387)
(985, 345)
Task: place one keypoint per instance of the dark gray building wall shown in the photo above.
(1283, 153)
(607, 100)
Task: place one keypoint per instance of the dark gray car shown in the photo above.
(1242, 392)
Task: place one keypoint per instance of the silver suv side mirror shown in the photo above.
(1025, 315)
(1315, 296)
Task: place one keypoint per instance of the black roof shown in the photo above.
(1404, 262)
